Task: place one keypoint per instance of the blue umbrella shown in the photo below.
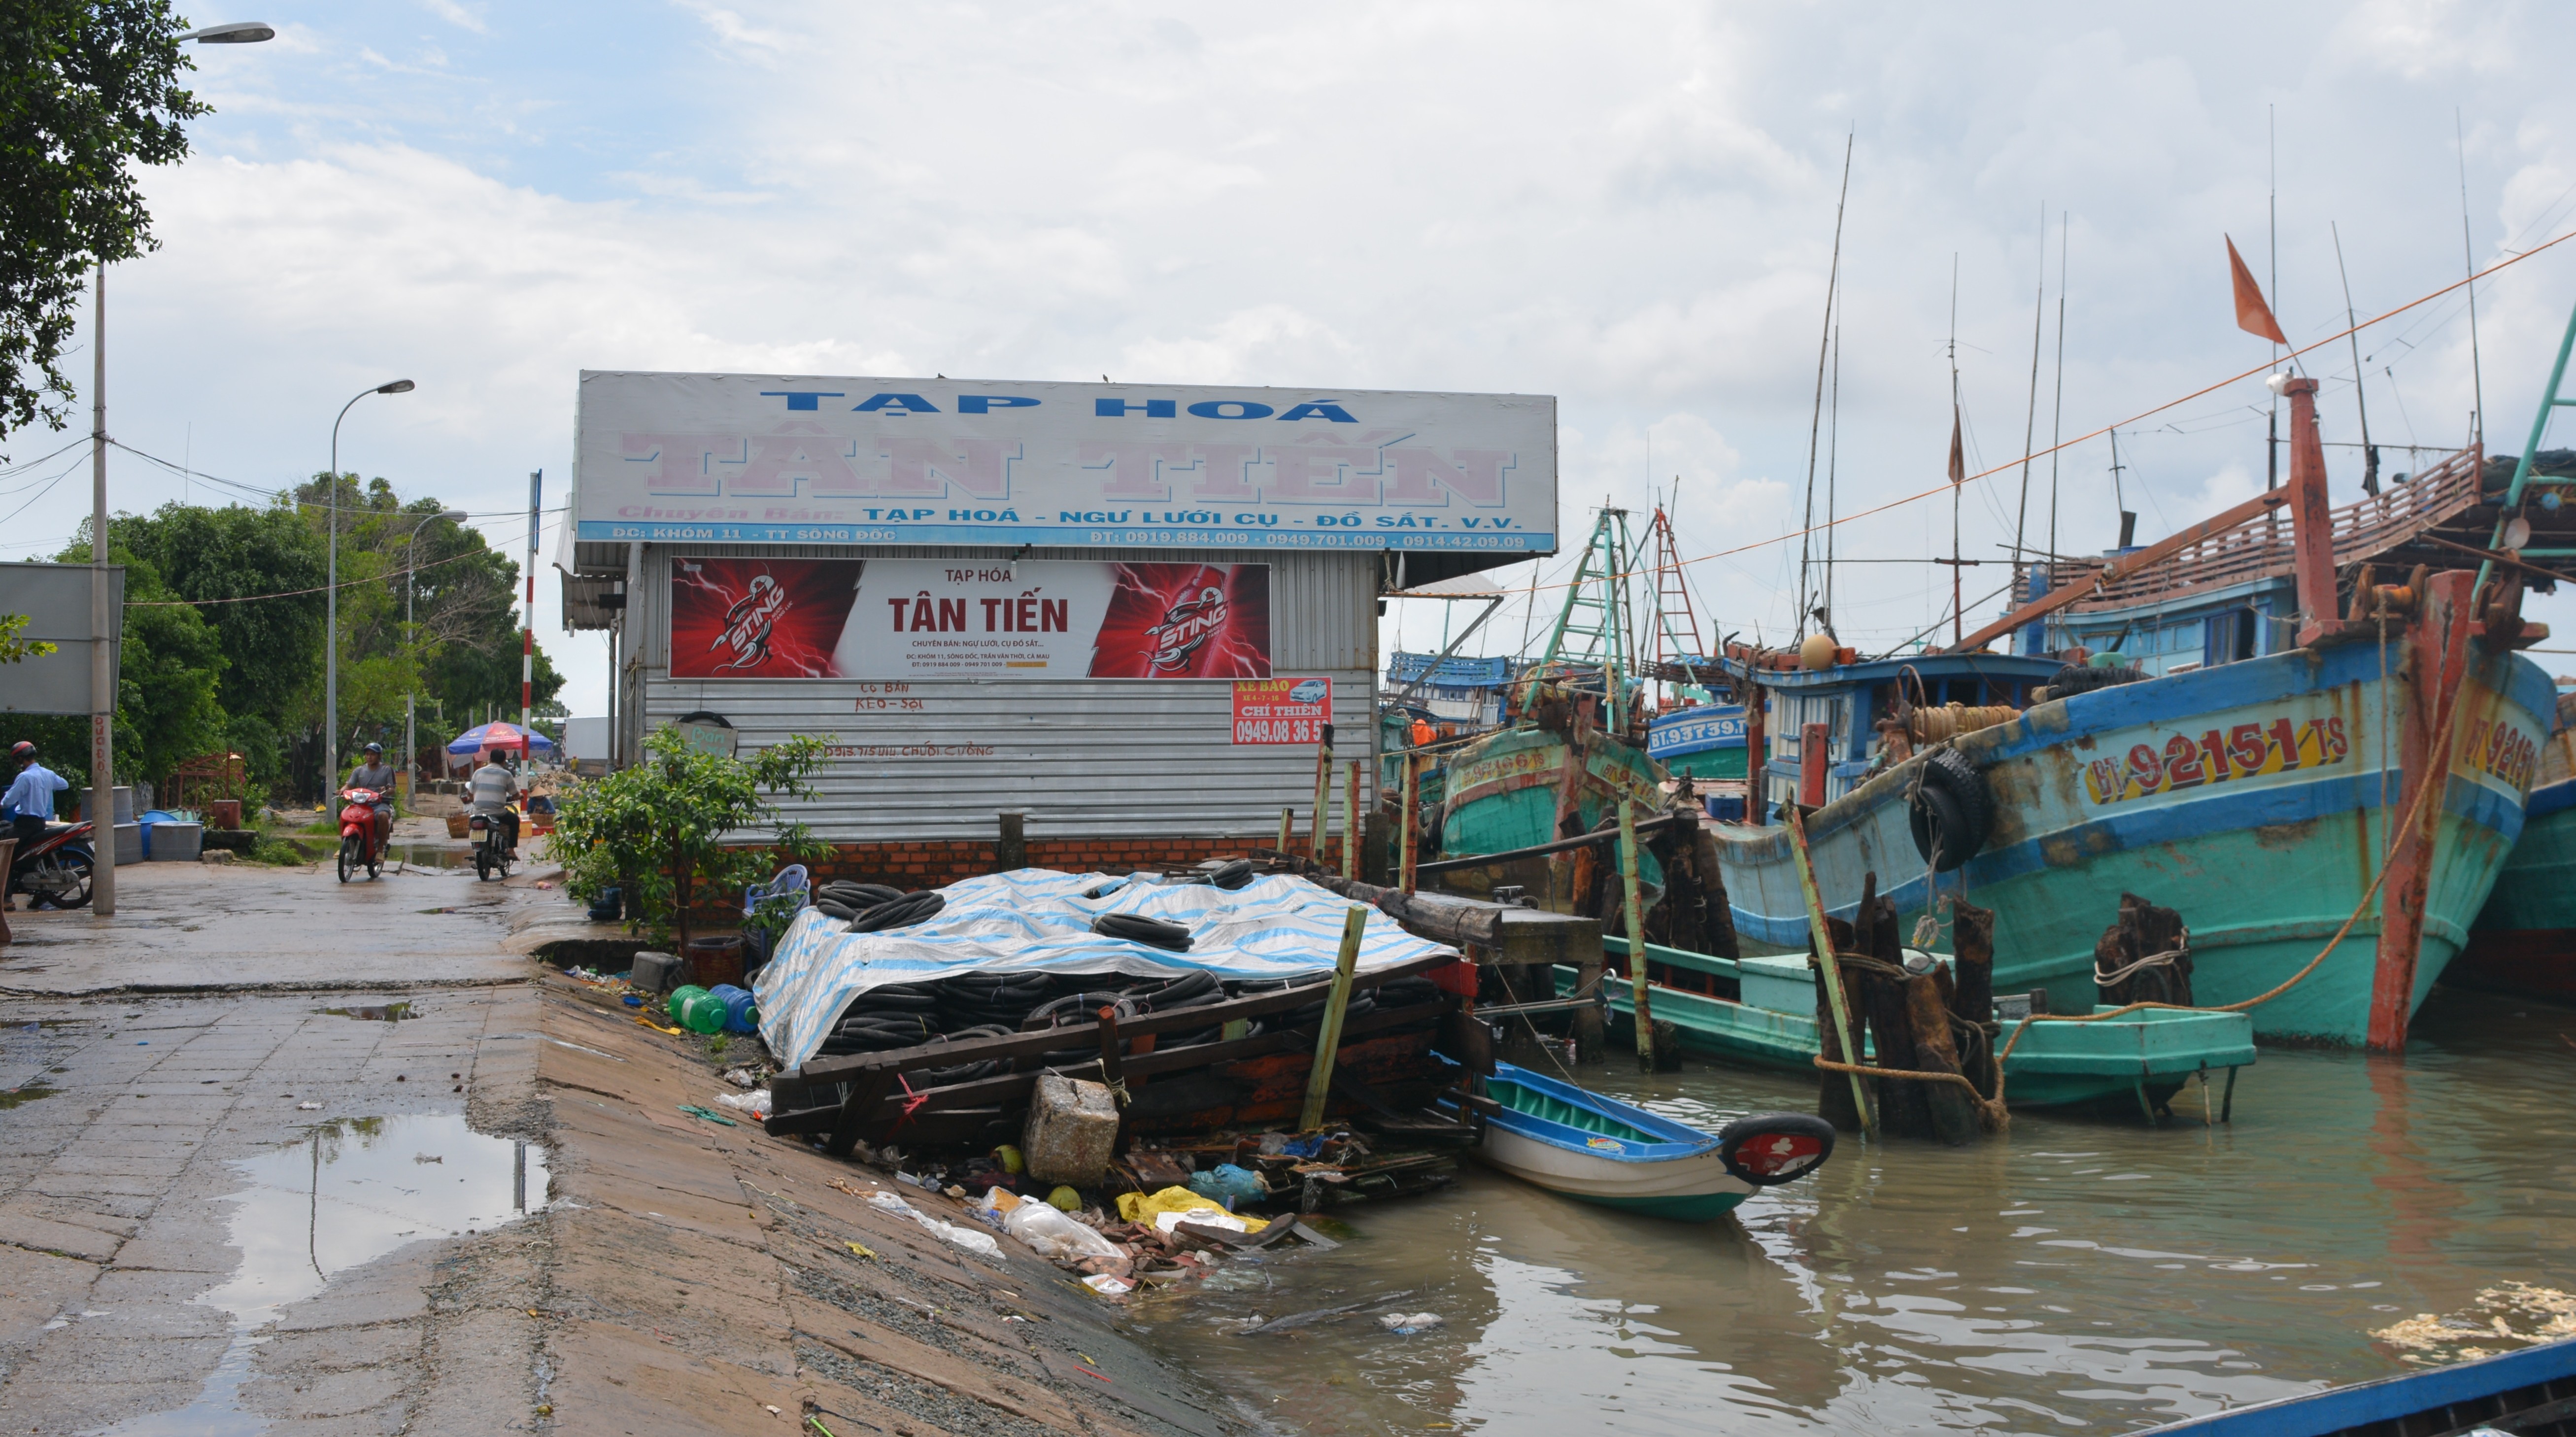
(500, 736)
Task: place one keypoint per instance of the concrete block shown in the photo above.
(656, 972)
(1072, 1131)
(177, 842)
(129, 841)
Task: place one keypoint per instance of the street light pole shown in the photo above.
(411, 585)
(331, 600)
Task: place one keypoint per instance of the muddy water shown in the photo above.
(2082, 1275)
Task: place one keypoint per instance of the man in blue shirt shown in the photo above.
(29, 804)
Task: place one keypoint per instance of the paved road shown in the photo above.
(163, 1074)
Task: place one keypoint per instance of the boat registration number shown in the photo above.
(2186, 760)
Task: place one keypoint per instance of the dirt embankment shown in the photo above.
(707, 1278)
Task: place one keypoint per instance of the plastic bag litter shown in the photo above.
(1107, 1286)
(755, 1103)
(979, 1243)
(1225, 1180)
(1055, 1237)
(1182, 1205)
(1405, 1324)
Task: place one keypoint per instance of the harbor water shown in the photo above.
(2087, 1273)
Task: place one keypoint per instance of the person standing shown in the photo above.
(29, 804)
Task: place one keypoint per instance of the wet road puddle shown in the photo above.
(352, 1191)
(373, 1012)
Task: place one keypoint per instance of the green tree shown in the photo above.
(226, 560)
(13, 648)
(169, 667)
(659, 830)
(89, 94)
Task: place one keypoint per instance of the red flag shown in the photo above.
(2252, 315)
(1958, 455)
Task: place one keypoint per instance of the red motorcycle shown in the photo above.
(57, 868)
(362, 844)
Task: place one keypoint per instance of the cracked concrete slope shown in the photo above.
(277, 1196)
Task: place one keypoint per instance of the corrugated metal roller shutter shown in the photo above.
(1084, 758)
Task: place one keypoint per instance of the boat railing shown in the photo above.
(2261, 548)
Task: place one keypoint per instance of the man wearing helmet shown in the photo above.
(29, 804)
(378, 775)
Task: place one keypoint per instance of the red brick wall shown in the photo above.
(933, 863)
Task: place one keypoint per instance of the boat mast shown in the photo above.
(2352, 323)
(1958, 459)
(1824, 343)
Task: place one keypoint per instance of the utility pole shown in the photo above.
(103, 617)
(528, 621)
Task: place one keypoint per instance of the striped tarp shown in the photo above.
(1037, 920)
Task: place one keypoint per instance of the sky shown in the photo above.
(1631, 208)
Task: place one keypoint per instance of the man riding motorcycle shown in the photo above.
(29, 803)
(377, 775)
(493, 786)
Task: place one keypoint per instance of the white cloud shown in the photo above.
(457, 15)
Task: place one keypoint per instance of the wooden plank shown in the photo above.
(1328, 1043)
(838, 1070)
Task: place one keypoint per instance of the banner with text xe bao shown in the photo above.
(931, 619)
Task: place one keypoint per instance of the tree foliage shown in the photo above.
(89, 93)
(14, 648)
(659, 830)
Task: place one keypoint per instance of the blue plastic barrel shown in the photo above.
(742, 1015)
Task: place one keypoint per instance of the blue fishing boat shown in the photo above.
(1598, 1149)
(2525, 939)
(2368, 783)
(2529, 1391)
(1707, 744)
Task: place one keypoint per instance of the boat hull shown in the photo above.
(1505, 790)
(2254, 797)
(2525, 939)
(1695, 1189)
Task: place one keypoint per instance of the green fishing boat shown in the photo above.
(1770, 1022)
(2524, 941)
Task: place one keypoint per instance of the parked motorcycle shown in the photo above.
(361, 846)
(57, 868)
(491, 846)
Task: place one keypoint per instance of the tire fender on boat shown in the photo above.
(1768, 1149)
(1949, 811)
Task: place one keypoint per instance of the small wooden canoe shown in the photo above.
(1596, 1149)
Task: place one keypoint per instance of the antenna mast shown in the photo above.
(2369, 452)
(1824, 342)
(2468, 254)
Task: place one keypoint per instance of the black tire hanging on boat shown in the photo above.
(2084, 679)
(1767, 1149)
(1950, 814)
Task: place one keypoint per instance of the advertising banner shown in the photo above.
(927, 619)
(1282, 710)
(732, 458)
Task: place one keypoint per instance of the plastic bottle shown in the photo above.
(742, 1014)
(698, 1010)
(680, 997)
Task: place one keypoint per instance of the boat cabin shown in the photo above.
(1705, 743)
(1826, 720)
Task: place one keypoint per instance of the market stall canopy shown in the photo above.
(500, 737)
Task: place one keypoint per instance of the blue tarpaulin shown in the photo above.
(1036, 920)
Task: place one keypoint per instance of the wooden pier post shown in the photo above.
(1012, 850)
(1953, 1112)
(1287, 820)
(1328, 1040)
(1972, 997)
(1409, 854)
(1351, 823)
(1831, 970)
(1635, 911)
(1323, 795)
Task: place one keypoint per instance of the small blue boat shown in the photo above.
(1596, 1149)
(2530, 1391)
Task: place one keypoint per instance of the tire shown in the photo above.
(1137, 928)
(2084, 679)
(80, 865)
(1767, 1149)
(1950, 814)
(482, 865)
(349, 859)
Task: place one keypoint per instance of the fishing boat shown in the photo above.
(2527, 1391)
(1760, 1012)
(2525, 939)
(1706, 744)
(1598, 1149)
(2262, 797)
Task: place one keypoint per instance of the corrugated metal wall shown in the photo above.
(1084, 758)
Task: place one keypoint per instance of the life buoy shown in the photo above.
(1767, 1149)
(1950, 813)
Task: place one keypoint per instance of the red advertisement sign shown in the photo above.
(1185, 621)
(759, 618)
(1282, 710)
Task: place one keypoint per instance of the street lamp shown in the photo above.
(331, 604)
(102, 671)
(411, 584)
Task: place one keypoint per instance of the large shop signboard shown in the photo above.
(935, 619)
(767, 459)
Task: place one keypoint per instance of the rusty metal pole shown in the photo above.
(1412, 801)
(1323, 796)
(2311, 518)
(1636, 935)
